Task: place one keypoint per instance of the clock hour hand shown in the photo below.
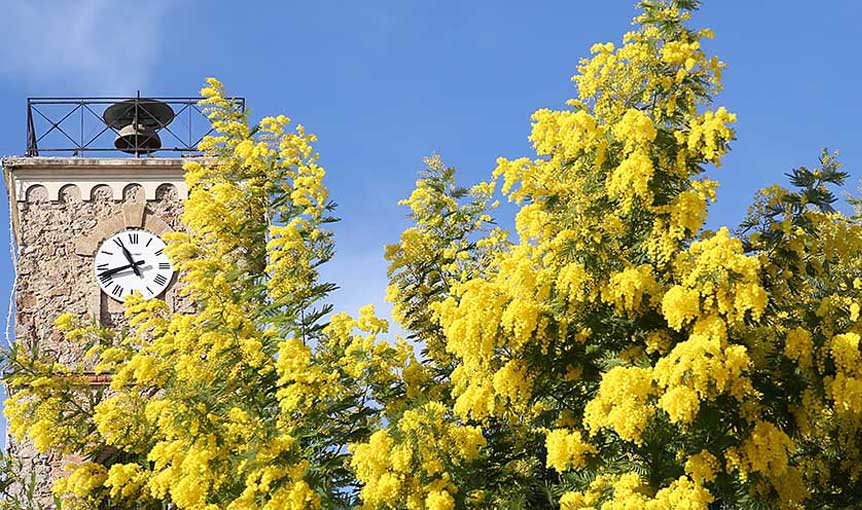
(128, 256)
(133, 265)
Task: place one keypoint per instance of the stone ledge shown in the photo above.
(13, 162)
(85, 174)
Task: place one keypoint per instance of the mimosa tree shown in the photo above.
(610, 353)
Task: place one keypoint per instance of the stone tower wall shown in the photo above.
(57, 215)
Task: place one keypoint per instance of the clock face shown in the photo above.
(132, 260)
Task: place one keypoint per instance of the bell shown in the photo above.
(136, 121)
(138, 139)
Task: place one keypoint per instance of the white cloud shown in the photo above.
(91, 47)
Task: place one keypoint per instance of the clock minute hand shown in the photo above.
(128, 256)
(118, 269)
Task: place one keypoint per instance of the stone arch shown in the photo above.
(167, 191)
(36, 193)
(133, 192)
(69, 193)
(156, 225)
(101, 193)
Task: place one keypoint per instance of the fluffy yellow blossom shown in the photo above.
(710, 133)
(439, 500)
(635, 128)
(628, 288)
(630, 491)
(702, 467)
(125, 480)
(513, 383)
(679, 305)
(845, 351)
(727, 281)
(688, 212)
(680, 52)
(631, 179)
(765, 451)
(572, 281)
(567, 449)
(65, 322)
(468, 439)
(622, 403)
(85, 478)
(681, 403)
(569, 133)
(799, 347)
(682, 494)
(572, 501)
(846, 394)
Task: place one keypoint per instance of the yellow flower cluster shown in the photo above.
(687, 213)
(567, 449)
(715, 277)
(626, 491)
(622, 403)
(631, 180)
(83, 479)
(845, 390)
(680, 52)
(710, 134)
(628, 288)
(564, 134)
(125, 480)
(412, 461)
(702, 467)
(765, 451)
(491, 315)
(701, 368)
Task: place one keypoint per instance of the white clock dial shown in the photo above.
(130, 261)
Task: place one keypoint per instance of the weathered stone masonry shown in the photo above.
(62, 209)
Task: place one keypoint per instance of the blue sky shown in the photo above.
(385, 83)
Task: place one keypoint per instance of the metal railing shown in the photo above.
(79, 125)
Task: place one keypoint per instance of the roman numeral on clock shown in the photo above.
(133, 237)
(160, 279)
(164, 265)
(118, 242)
(102, 267)
(159, 252)
(106, 279)
(117, 290)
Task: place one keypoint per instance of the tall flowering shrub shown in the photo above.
(247, 402)
(614, 353)
(609, 353)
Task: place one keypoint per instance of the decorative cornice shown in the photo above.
(55, 174)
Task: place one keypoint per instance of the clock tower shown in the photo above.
(89, 230)
(74, 220)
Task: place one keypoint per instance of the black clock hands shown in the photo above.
(133, 265)
(128, 255)
(141, 266)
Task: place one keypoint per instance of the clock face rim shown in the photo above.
(161, 258)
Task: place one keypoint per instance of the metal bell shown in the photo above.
(138, 139)
(136, 121)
